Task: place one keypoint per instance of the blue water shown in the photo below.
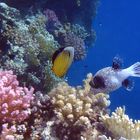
(117, 26)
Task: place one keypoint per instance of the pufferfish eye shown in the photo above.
(97, 82)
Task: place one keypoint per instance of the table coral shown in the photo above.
(14, 100)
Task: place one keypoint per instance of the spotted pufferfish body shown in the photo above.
(112, 78)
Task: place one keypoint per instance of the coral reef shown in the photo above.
(70, 113)
(51, 108)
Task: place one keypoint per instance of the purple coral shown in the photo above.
(51, 16)
(65, 38)
(70, 39)
(52, 21)
(14, 100)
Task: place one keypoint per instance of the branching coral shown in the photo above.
(66, 113)
(77, 109)
(14, 100)
(121, 125)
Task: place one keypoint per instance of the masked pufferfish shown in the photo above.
(112, 78)
(62, 60)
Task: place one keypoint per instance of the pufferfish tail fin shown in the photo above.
(134, 70)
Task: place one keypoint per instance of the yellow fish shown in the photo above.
(62, 60)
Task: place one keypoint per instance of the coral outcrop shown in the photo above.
(76, 111)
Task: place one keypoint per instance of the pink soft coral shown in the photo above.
(14, 100)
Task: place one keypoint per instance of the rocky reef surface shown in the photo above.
(36, 104)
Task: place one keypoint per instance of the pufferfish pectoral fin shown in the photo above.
(128, 84)
(62, 61)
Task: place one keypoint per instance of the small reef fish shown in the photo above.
(110, 79)
(62, 60)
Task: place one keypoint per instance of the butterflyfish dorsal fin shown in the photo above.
(56, 53)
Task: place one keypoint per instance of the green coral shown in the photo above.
(50, 78)
(47, 45)
(77, 29)
(27, 50)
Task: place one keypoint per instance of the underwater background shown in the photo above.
(50, 51)
(117, 26)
